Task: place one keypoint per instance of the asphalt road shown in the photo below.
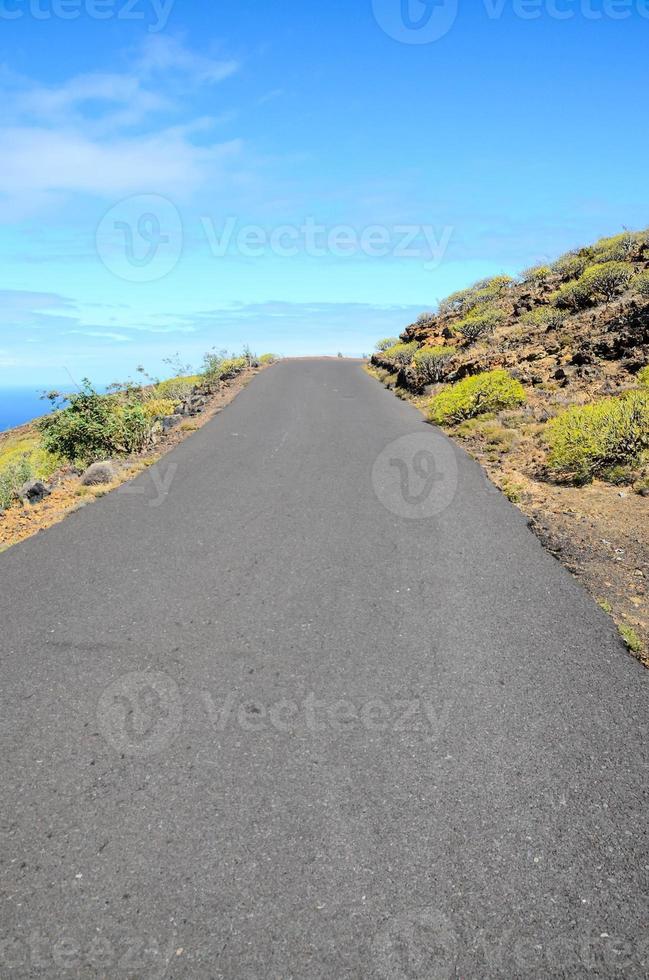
(306, 700)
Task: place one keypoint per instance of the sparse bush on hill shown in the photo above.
(570, 266)
(490, 391)
(87, 430)
(95, 426)
(545, 317)
(177, 388)
(606, 279)
(482, 292)
(457, 302)
(618, 248)
(401, 354)
(12, 478)
(480, 322)
(587, 440)
(641, 283)
(537, 275)
(431, 363)
(599, 282)
(386, 343)
(426, 320)
(571, 296)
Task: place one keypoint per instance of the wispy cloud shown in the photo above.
(80, 137)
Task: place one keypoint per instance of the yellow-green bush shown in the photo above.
(267, 358)
(545, 317)
(537, 275)
(571, 265)
(618, 248)
(156, 408)
(586, 440)
(232, 366)
(641, 283)
(12, 477)
(643, 376)
(490, 391)
(386, 343)
(599, 282)
(401, 354)
(431, 363)
(177, 388)
(480, 322)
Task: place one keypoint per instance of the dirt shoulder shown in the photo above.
(68, 494)
(599, 532)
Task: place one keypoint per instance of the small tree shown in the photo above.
(386, 343)
(402, 354)
(431, 363)
(479, 323)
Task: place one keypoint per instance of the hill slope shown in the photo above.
(545, 379)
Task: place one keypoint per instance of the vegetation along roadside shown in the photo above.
(94, 442)
(545, 380)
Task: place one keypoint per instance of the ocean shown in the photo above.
(18, 405)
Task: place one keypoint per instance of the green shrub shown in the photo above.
(457, 302)
(485, 291)
(490, 391)
(85, 431)
(12, 478)
(480, 322)
(548, 317)
(643, 376)
(537, 274)
(386, 344)
(618, 248)
(156, 408)
(267, 358)
(571, 296)
(631, 639)
(401, 354)
(587, 440)
(177, 388)
(431, 363)
(571, 265)
(426, 321)
(95, 426)
(601, 281)
(641, 283)
(232, 366)
(606, 279)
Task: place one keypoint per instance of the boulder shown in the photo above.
(170, 421)
(34, 491)
(98, 473)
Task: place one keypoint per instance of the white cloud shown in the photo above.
(35, 159)
(79, 136)
(101, 334)
(161, 53)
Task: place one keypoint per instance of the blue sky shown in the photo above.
(300, 177)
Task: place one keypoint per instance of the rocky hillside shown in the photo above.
(545, 379)
(580, 324)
